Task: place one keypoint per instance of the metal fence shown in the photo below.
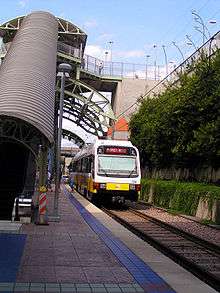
(69, 50)
(121, 69)
(116, 69)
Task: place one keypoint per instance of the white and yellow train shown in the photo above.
(108, 170)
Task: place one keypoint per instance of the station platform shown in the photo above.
(87, 251)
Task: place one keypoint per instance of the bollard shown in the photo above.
(42, 213)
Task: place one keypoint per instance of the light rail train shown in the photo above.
(108, 170)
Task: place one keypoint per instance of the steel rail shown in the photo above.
(195, 256)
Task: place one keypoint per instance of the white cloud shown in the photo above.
(23, 3)
(130, 54)
(90, 23)
(95, 51)
(105, 36)
(99, 52)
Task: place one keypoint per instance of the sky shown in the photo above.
(132, 29)
(137, 28)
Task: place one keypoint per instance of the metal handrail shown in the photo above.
(107, 68)
(69, 50)
(119, 69)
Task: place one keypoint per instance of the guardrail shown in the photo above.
(121, 69)
(117, 69)
(69, 50)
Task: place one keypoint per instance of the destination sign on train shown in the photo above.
(116, 150)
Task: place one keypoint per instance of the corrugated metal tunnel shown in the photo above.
(27, 94)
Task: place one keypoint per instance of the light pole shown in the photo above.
(178, 48)
(165, 55)
(199, 20)
(155, 63)
(110, 45)
(201, 32)
(106, 56)
(173, 65)
(147, 57)
(190, 42)
(63, 71)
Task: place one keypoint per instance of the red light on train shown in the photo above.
(138, 187)
(96, 185)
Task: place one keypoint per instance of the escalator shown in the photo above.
(13, 165)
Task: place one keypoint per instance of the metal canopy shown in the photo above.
(86, 107)
(73, 137)
(68, 32)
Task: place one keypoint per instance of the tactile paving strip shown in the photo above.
(11, 249)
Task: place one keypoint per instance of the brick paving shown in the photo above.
(69, 252)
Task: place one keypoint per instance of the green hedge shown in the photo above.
(179, 196)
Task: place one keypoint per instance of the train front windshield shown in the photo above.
(117, 161)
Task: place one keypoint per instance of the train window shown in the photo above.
(84, 160)
(78, 166)
(89, 164)
(117, 165)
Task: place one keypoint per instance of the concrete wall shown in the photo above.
(128, 91)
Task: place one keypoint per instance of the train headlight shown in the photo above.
(96, 185)
(138, 187)
(102, 186)
(132, 186)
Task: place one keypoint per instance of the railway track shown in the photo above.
(196, 255)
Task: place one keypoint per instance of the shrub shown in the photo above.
(179, 196)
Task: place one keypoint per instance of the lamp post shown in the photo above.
(155, 63)
(199, 20)
(165, 55)
(106, 56)
(63, 71)
(147, 57)
(110, 45)
(190, 42)
(178, 48)
(173, 64)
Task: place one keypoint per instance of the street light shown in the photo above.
(201, 32)
(155, 63)
(190, 42)
(63, 71)
(173, 64)
(110, 44)
(165, 55)
(147, 57)
(178, 48)
(106, 56)
(199, 20)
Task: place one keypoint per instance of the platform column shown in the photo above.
(42, 198)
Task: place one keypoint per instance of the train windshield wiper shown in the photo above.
(103, 170)
(132, 171)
